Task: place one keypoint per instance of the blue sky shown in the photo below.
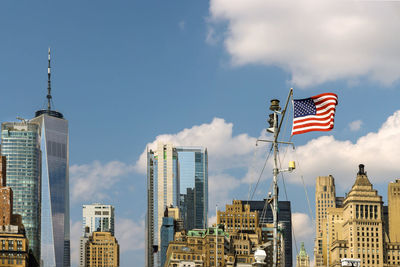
(128, 73)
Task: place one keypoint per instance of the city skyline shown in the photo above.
(183, 78)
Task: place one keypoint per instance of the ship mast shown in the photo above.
(275, 127)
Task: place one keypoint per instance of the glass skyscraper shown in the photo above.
(55, 232)
(193, 185)
(162, 192)
(178, 177)
(21, 146)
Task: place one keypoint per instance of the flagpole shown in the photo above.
(275, 129)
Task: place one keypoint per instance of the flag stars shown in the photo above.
(304, 107)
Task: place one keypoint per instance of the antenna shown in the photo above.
(48, 111)
(275, 127)
(49, 84)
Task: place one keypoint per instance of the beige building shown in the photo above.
(302, 259)
(200, 248)
(325, 197)
(238, 217)
(14, 249)
(247, 234)
(353, 227)
(102, 250)
(393, 243)
(394, 211)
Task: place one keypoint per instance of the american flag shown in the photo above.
(316, 113)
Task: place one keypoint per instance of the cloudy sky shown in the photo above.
(127, 74)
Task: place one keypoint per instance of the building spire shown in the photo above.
(49, 111)
(49, 84)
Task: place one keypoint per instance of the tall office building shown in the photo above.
(394, 211)
(355, 229)
(54, 144)
(162, 192)
(325, 197)
(14, 250)
(98, 217)
(102, 250)
(167, 235)
(193, 186)
(238, 217)
(284, 222)
(21, 146)
(198, 248)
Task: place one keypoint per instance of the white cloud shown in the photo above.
(76, 233)
(212, 220)
(316, 41)
(220, 187)
(130, 234)
(91, 181)
(303, 226)
(225, 150)
(181, 25)
(355, 125)
(379, 151)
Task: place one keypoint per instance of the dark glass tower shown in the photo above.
(55, 232)
(193, 184)
(284, 218)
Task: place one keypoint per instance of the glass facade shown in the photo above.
(193, 184)
(21, 146)
(167, 235)
(162, 192)
(55, 235)
(284, 218)
(98, 217)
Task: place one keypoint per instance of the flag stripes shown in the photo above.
(316, 113)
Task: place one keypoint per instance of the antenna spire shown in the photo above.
(49, 84)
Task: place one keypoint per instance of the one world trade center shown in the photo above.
(54, 143)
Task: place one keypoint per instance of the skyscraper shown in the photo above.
(21, 146)
(14, 250)
(162, 192)
(325, 197)
(54, 144)
(98, 217)
(193, 185)
(354, 229)
(102, 250)
(394, 211)
(167, 235)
